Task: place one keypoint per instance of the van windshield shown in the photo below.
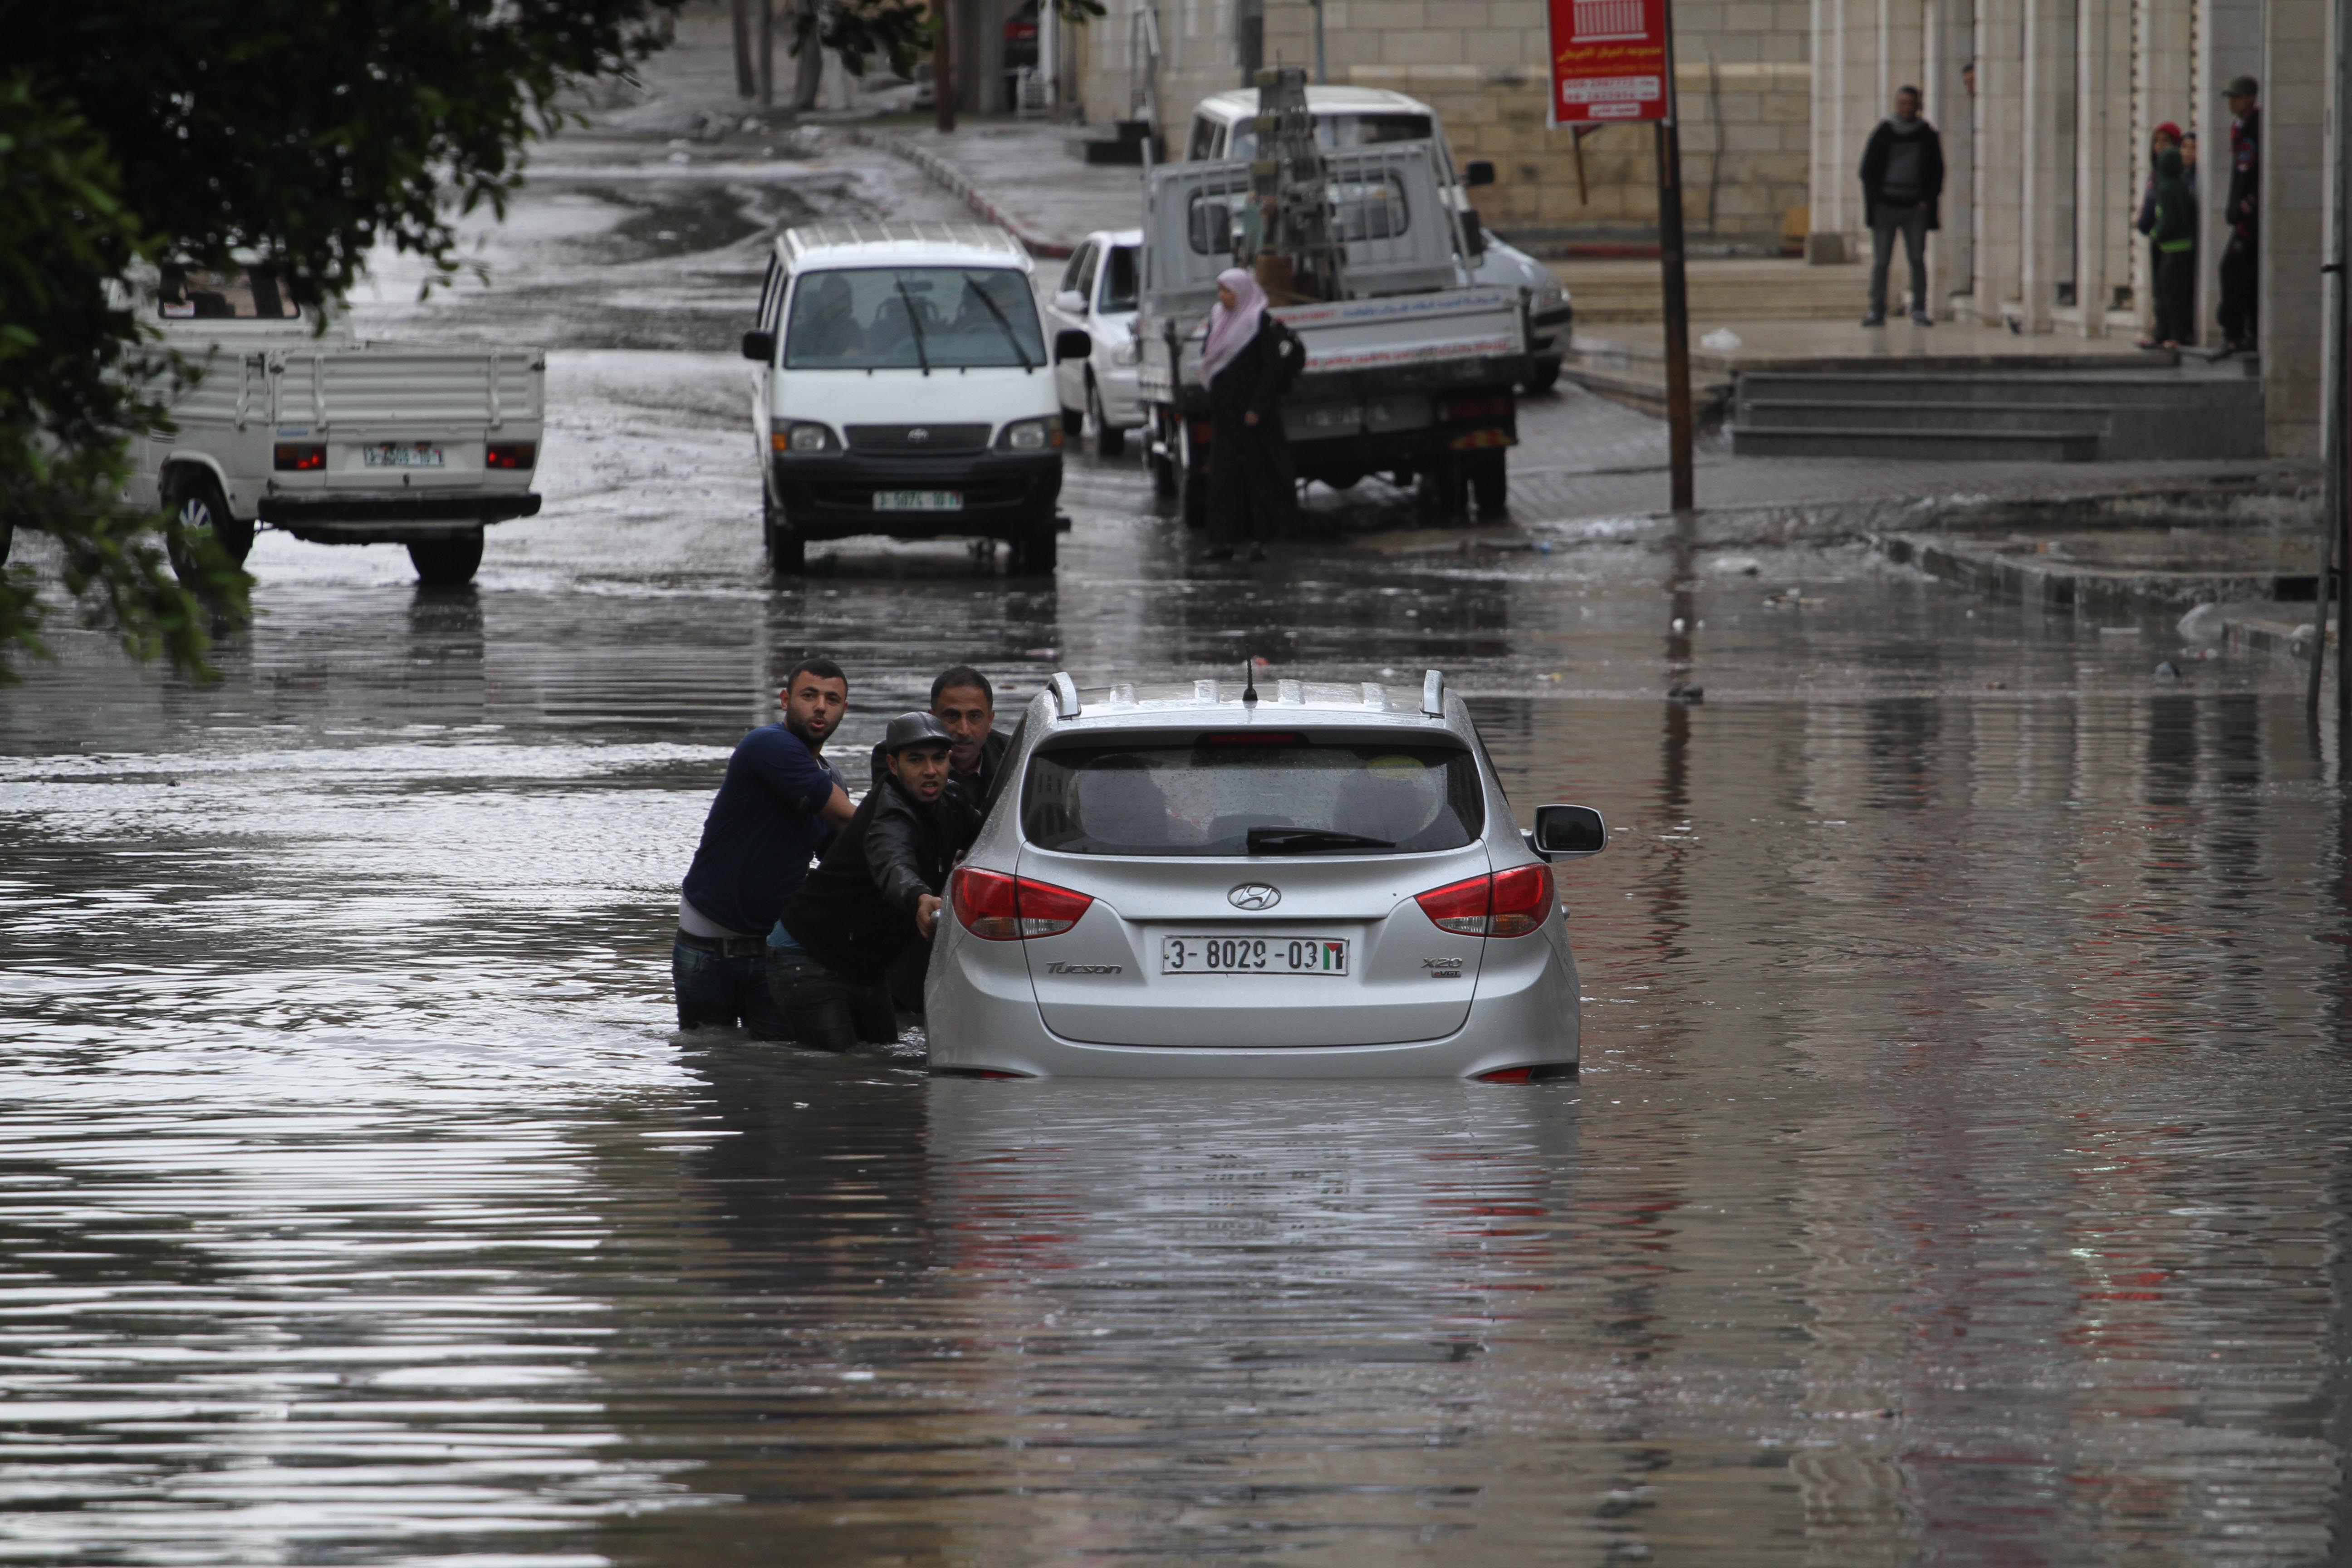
(911, 317)
(1337, 131)
(1251, 793)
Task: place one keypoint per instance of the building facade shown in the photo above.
(1745, 81)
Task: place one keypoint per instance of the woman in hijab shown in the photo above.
(1250, 361)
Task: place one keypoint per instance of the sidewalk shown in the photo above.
(1021, 175)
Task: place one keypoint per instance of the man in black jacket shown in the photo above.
(873, 895)
(1902, 181)
(2240, 312)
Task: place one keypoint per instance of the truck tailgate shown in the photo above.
(391, 384)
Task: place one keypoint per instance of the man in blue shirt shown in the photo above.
(776, 809)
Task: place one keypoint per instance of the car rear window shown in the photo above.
(1204, 794)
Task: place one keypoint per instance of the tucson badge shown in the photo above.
(1254, 896)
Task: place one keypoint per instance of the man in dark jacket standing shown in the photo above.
(875, 894)
(2240, 257)
(778, 804)
(1902, 182)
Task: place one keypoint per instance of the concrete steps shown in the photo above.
(1965, 413)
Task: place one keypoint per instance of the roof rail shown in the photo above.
(1433, 693)
(1065, 695)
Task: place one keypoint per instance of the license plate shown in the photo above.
(1252, 955)
(918, 500)
(402, 455)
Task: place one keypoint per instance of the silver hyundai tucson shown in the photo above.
(1213, 881)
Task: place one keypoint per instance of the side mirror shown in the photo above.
(1569, 832)
(759, 346)
(1072, 343)
(1070, 302)
(1478, 171)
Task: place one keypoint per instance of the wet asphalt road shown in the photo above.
(1958, 1174)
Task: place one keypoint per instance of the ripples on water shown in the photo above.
(1959, 1173)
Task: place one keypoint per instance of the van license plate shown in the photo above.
(402, 455)
(918, 500)
(1252, 955)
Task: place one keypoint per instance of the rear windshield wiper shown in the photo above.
(1295, 840)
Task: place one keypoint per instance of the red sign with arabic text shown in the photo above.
(1608, 61)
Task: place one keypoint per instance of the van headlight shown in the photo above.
(1550, 293)
(1031, 435)
(803, 437)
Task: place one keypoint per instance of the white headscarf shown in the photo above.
(1230, 331)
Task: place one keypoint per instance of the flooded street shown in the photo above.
(1959, 1173)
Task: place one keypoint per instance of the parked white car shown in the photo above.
(1224, 128)
(904, 388)
(1097, 296)
(332, 439)
(1204, 879)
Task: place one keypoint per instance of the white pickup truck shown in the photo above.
(332, 439)
(1411, 375)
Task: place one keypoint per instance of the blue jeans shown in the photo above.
(717, 990)
(825, 1011)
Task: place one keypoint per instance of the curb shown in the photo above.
(947, 175)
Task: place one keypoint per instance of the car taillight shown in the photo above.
(510, 454)
(998, 907)
(298, 460)
(1459, 907)
(1508, 903)
(1522, 900)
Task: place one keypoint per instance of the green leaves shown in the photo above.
(302, 133)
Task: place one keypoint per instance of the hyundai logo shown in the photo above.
(917, 435)
(1254, 896)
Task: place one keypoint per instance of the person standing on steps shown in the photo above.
(1902, 182)
(2171, 227)
(1250, 361)
(2240, 312)
(778, 805)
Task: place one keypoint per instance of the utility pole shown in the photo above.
(1322, 67)
(2336, 439)
(1673, 286)
(942, 69)
(767, 54)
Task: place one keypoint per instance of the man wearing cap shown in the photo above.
(2243, 211)
(875, 895)
(778, 804)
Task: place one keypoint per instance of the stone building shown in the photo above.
(1745, 82)
(2050, 153)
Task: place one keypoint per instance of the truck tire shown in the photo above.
(1110, 441)
(7, 538)
(787, 549)
(195, 497)
(1546, 374)
(1490, 484)
(446, 563)
(1163, 467)
(1192, 483)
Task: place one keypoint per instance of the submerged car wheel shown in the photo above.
(1163, 467)
(1490, 484)
(1037, 550)
(1110, 441)
(787, 549)
(202, 511)
(1546, 374)
(446, 563)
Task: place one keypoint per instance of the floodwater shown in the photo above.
(1958, 1174)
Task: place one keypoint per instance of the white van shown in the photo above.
(906, 387)
(1224, 129)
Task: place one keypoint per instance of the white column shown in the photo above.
(2095, 133)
